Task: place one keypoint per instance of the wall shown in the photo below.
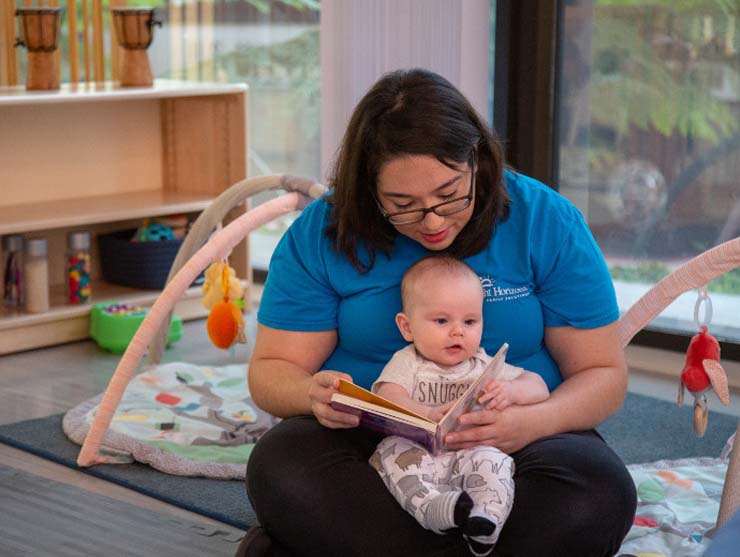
(361, 40)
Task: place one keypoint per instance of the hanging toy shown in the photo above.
(221, 289)
(702, 368)
(213, 285)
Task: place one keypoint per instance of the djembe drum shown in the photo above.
(134, 32)
(40, 35)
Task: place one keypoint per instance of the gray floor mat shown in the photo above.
(40, 517)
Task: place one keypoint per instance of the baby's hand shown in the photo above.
(436, 414)
(497, 396)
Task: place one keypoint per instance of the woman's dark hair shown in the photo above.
(411, 112)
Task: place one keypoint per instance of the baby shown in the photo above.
(470, 489)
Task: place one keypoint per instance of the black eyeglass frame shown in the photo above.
(423, 212)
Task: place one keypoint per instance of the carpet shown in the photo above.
(223, 500)
(644, 430)
(42, 517)
(647, 429)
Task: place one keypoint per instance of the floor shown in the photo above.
(48, 381)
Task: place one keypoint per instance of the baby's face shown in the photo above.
(445, 318)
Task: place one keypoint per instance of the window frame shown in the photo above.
(527, 89)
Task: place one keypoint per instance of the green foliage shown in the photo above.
(651, 272)
(726, 6)
(302, 4)
(729, 283)
(648, 272)
(143, 3)
(634, 86)
(263, 6)
(292, 63)
(293, 60)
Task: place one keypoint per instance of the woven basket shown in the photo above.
(137, 264)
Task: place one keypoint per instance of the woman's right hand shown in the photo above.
(323, 385)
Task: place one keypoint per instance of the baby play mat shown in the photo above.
(181, 419)
(194, 420)
(678, 502)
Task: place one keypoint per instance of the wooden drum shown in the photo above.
(40, 35)
(134, 32)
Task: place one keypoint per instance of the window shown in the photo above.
(649, 142)
(273, 47)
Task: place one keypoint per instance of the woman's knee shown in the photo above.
(273, 454)
(602, 515)
(575, 493)
(298, 456)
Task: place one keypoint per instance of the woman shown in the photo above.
(419, 172)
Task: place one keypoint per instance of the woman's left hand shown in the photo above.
(508, 430)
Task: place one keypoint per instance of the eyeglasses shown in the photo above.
(443, 209)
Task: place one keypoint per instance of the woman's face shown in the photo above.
(419, 182)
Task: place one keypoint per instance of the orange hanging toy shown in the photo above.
(225, 322)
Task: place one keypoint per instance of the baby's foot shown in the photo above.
(462, 509)
(448, 511)
(479, 532)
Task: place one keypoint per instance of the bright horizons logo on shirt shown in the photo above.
(502, 293)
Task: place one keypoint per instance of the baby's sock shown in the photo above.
(463, 507)
(447, 511)
(481, 534)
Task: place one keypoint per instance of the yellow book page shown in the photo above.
(355, 391)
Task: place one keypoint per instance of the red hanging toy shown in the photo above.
(702, 369)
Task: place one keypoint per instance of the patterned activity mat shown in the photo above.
(678, 502)
(194, 420)
(181, 419)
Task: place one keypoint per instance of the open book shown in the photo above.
(380, 414)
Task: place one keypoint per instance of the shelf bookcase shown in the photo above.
(98, 157)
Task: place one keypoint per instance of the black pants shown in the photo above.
(315, 494)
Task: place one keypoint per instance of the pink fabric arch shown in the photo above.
(695, 273)
(216, 248)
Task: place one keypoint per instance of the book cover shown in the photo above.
(382, 415)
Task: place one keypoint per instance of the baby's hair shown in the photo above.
(438, 262)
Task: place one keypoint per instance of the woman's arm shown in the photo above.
(594, 376)
(594, 386)
(284, 376)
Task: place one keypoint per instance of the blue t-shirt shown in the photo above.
(541, 268)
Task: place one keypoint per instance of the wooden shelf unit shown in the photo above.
(100, 158)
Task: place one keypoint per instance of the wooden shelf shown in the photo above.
(67, 323)
(98, 157)
(28, 217)
(110, 92)
(102, 292)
